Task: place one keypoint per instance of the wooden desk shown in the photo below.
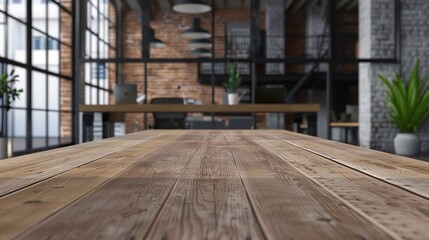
(337, 124)
(214, 184)
(108, 110)
(240, 108)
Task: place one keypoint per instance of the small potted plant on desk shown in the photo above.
(8, 94)
(232, 83)
(409, 105)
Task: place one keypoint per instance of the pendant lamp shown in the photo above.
(191, 7)
(200, 43)
(155, 42)
(196, 32)
(201, 53)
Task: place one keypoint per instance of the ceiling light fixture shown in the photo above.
(200, 43)
(201, 53)
(155, 42)
(196, 32)
(191, 7)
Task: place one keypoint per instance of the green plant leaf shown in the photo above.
(7, 88)
(408, 102)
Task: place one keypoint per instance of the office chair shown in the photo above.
(169, 120)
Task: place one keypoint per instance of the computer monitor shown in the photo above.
(125, 94)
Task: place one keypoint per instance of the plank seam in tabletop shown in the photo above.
(30, 182)
(171, 190)
(362, 171)
(28, 160)
(390, 181)
(51, 211)
(262, 226)
(209, 200)
(306, 218)
(351, 206)
(395, 160)
(70, 220)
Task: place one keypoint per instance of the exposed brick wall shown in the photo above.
(66, 69)
(66, 66)
(112, 50)
(163, 78)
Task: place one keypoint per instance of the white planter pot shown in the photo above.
(407, 144)
(233, 98)
(5, 148)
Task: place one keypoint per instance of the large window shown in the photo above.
(36, 41)
(99, 45)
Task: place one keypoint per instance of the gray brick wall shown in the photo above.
(377, 41)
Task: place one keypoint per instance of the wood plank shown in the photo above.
(209, 200)
(11, 164)
(240, 108)
(22, 177)
(404, 214)
(336, 124)
(409, 174)
(281, 194)
(344, 124)
(25, 208)
(395, 160)
(125, 206)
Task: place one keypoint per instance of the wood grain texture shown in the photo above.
(240, 108)
(344, 124)
(406, 173)
(125, 206)
(402, 213)
(209, 200)
(43, 169)
(26, 208)
(184, 184)
(289, 205)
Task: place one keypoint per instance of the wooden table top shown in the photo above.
(215, 108)
(337, 124)
(183, 184)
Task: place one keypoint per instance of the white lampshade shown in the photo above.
(201, 53)
(191, 7)
(200, 43)
(196, 32)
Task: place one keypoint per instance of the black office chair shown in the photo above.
(169, 120)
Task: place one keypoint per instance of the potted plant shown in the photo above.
(409, 105)
(8, 94)
(232, 83)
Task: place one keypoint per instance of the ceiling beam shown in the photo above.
(262, 5)
(353, 4)
(235, 4)
(288, 3)
(241, 4)
(341, 4)
(220, 4)
(164, 5)
(137, 9)
(312, 3)
(298, 5)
